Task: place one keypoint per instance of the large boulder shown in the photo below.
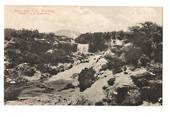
(86, 78)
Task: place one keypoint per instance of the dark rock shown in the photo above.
(86, 78)
(111, 81)
(104, 87)
(125, 72)
(124, 68)
(70, 85)
(121, 93)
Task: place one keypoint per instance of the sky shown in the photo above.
(81, 19)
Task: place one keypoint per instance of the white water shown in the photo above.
(66, 75)
(83, 48)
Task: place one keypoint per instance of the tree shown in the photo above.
(148, 36)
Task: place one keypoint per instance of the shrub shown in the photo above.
(132, 56)
(123, 95)
(152, 93)
(114, 61)
(150, 87)
(155, 69)
(11, 93)
(30, 71)
(143, 60)
(133, 98)
(117, 50)
(68, 46)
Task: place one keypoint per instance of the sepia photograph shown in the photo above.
(83, 55)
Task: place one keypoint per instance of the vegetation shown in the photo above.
(34, 48)
(28, 51)
(146, 39)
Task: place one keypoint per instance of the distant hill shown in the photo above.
(68, 33)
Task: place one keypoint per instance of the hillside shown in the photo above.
(67, 33)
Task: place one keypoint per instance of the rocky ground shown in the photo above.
(64, 89)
